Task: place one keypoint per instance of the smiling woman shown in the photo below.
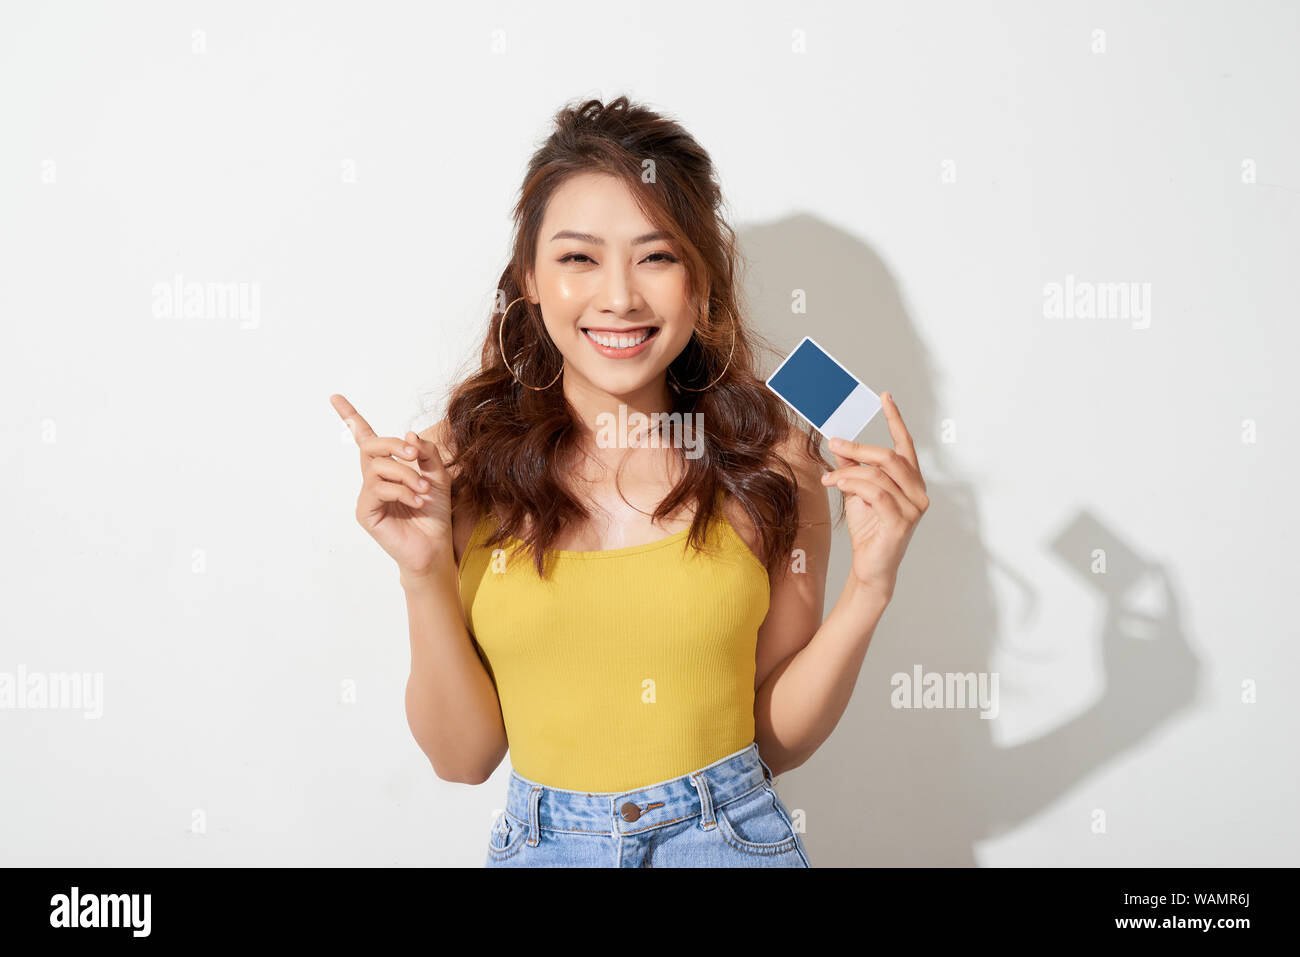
(575, 266)
(633, 622)
(620, 289)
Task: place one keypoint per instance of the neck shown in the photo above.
(596, 408)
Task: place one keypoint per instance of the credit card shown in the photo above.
(825, 394)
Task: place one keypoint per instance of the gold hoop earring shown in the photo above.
(502, 346)
(719, 375)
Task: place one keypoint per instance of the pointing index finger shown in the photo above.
(359, 427)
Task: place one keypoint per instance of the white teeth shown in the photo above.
(618, 342)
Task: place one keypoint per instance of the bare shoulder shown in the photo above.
(814, 505)
(439, 433)
(462, 522)
(793, 449)
(814, 497)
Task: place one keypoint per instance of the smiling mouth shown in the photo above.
(625, 339)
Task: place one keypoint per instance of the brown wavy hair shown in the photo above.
(512, 444)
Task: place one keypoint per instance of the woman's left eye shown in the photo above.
(667, 257)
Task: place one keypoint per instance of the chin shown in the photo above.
(624, 384)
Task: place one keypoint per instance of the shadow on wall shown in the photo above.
(916, 786)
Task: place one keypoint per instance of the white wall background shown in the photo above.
(131, 442)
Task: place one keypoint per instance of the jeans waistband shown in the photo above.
(640, 809)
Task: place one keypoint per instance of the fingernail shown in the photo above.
(410, 451)
(835, 443)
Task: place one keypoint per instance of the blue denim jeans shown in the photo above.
(723, 815)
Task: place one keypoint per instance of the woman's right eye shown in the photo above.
(572, 256)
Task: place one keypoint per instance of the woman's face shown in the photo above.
(601, 274)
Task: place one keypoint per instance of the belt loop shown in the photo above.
(766, 770)
(534, 817)
(706, 801)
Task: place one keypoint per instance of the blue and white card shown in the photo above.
(824, 393)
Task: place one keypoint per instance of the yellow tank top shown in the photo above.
(626, 666)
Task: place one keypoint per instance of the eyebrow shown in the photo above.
(597, 241)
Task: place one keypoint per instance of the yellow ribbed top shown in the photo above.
(626, 666)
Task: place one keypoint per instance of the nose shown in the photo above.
(618, 291)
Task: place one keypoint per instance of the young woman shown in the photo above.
(633, 611)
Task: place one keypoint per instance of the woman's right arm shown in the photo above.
(405, 505)
(451, 703)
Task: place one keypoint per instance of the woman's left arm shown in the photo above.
(807, 668)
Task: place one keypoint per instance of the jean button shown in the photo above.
(630, 812)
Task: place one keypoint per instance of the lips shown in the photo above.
(620, 338)
(619, 343)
